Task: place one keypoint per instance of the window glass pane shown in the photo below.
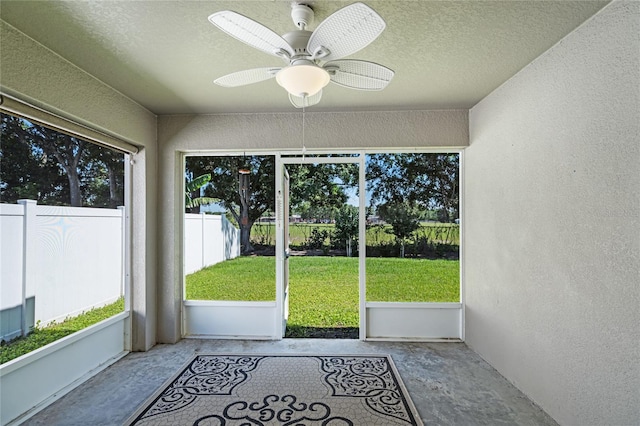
(413, 232)
(229, 230)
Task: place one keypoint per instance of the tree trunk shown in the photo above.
(68, 160)
(113, 189)
(245, 234)
(244, 191)
(74, 187)
(402, 249)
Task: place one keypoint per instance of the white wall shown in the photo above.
(34, 74)
(552, 246)
(208, 239)
(74, 258)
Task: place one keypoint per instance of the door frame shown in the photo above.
(358, 157)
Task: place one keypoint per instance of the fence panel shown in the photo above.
(208, 239)
(80, 260)
(57, 262)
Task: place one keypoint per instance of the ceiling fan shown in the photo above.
(313, 58)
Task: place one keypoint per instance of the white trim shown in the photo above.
(322, 151)
(461, 243)
(414, 305)
(413, 340)
(230, 303)
(320, 160)
(126, 250)
(228, 337)
(30, 357)
(362, 246)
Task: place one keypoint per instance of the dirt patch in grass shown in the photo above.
(299, 332)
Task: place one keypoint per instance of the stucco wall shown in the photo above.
(552, 246)
(34, 74)
(323, 131)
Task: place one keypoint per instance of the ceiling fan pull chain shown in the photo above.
(304, 104)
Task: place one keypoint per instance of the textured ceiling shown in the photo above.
(165, 54)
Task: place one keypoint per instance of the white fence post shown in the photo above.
(122, 211)
(203, 261)
(28, 256)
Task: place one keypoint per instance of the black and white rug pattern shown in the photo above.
(300, 390)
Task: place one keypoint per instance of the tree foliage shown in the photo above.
(224, 187)
(192, 198)
(53, 168)
(346, 226)
(426, 180)
(403, 218)
(316, 185)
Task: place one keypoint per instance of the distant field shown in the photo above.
(324, 290)
(264, 233)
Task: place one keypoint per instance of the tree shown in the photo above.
(102, 177)
(67, 150)
(27, 173)
(224, 187)
(193, 186)
(346, 228)
(429, 181)
(36, 160)
(403, 218)
(319, 185)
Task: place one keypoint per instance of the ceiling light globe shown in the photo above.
(302, 80)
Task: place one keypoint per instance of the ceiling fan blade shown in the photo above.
(300, 102)
(346, 31)
(250, 32)
(360, 75)
(245, 77)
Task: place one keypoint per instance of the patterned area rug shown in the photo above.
(216, 390)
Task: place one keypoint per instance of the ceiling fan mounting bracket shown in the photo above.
(302, 15)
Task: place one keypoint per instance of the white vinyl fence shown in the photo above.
(57, 262)
(209, 239)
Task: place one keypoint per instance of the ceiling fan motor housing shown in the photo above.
(298, 40)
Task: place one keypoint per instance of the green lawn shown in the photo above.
(412, 280)
(324, 290)
(243, 278)
(45, 335)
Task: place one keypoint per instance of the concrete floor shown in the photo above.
(448, 382)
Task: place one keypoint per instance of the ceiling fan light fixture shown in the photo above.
(302, 79)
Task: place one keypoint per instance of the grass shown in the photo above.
(242, 278)
(43, 336)
(324, 290)
(412, 280)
